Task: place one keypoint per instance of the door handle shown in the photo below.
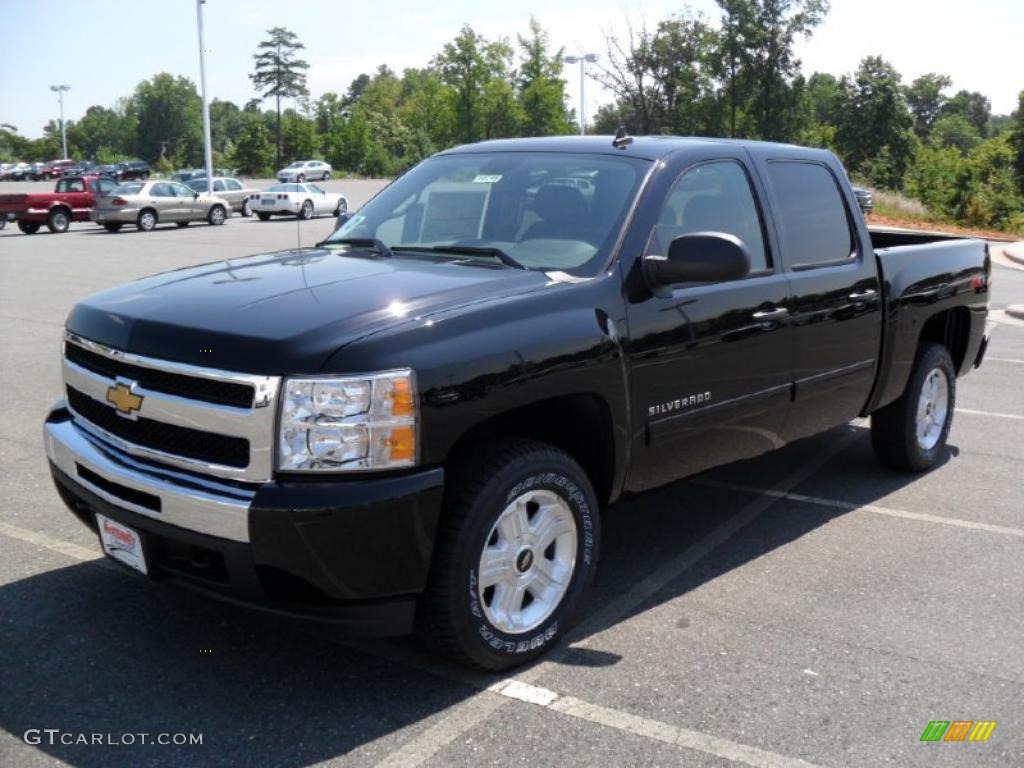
(861, 295)
(771, 315)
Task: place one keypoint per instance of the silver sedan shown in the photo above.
(148, 203)
(230, 189)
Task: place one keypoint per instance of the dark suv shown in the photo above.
(133, 169)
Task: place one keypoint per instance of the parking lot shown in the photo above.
(804, 608)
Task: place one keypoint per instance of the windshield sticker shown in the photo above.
(487, 178)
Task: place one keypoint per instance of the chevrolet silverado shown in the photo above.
(418, 422)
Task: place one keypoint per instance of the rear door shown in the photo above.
(711, 364)
(836, 312)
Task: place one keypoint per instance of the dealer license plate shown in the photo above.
(121, 543)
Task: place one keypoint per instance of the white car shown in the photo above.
(305, 170)
(302, 200)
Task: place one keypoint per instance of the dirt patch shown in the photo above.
(931, 226)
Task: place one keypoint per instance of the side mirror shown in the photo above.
(700, 257)
(343, 217)
(195, 195)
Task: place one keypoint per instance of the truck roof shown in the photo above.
(647, 147)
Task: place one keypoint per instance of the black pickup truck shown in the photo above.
(419, 421)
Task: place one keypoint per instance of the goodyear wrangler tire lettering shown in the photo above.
(516, 555)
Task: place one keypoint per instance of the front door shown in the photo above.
(711, 364)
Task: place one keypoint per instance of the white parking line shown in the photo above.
(48, 542)
(971, 412)
(656, 730)
(1003, 360)
(434, 739)
(853, 507)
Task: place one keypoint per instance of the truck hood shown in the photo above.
(286, 312)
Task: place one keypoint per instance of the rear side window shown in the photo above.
(70, 185)
(712, 197)
(811, 214)
(232, 185)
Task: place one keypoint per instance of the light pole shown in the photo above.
(59, 90)
(208, 149)
(582, 61)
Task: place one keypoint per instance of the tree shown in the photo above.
(168, 120)
(253, 150)
(926, 100)
(226, 121)
(734, 63)
(955, 130)
(974, 106)
(463, 67)
(771, 33)
(279, 74)
(1016, 140)
(873, 134)
(540, 86)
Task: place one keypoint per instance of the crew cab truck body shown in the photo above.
(71, 200)
(419, 420)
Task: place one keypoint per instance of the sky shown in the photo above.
(103, 49)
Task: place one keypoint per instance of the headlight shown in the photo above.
(348, 423)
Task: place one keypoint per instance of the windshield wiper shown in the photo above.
(468, 250)
(371, 243)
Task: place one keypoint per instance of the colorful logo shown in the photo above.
(958, 730)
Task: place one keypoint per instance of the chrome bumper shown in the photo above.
(186, 501)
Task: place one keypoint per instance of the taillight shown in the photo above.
(117, 202)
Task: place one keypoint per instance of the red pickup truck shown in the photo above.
(71, 200)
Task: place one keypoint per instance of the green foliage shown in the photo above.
(972, 105)
(926, 100)
(279, 74)
(955, 130)
(168, 120)
(540, 85)
(253, 151)
(1016, 139)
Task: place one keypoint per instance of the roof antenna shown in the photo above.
(622, 139)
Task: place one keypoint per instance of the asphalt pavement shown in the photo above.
(804, 608)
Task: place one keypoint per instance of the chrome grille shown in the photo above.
(201, 419)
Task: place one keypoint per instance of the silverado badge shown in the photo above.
(123, 399)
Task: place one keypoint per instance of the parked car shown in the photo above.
(17, 172)
(54, 169)
(185, 176)
(230, 189)
(302, 200)
(422, 419)
(71, 200)
(305, 170)
(148, 203)
(865, 200)
(133, 170)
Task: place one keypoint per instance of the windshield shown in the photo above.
(285, 188)
(516, 202)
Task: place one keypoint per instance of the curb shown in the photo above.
(1014, 252)
(1016, 310)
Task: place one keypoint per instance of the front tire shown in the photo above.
(515, 556)
(306, 211)
(910, 434)
(327, 175)
(147, 220)
(217, 215)
(58, 221)
(301, 178)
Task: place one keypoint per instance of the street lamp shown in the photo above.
(59, 90)
(208, 149)
(582, 61)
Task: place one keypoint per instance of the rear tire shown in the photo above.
(306, 211)
(263, 216)
(246, 209)
(300, 178)
(112, 227)
(515, 556)
(58, 221)
(147, 220)
(910, 434)
(28, 227)
(327, 175)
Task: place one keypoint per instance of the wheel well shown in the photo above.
(61, 206)
(151, 210)
(951, 328)
(580, 425)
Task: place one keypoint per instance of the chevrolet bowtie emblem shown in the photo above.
(123, 399)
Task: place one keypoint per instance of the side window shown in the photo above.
(106, 185)
(162, 190)
(712, 197)
(811, 214)
(62, 186)
(181, 190)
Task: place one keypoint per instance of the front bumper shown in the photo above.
(355, 552)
